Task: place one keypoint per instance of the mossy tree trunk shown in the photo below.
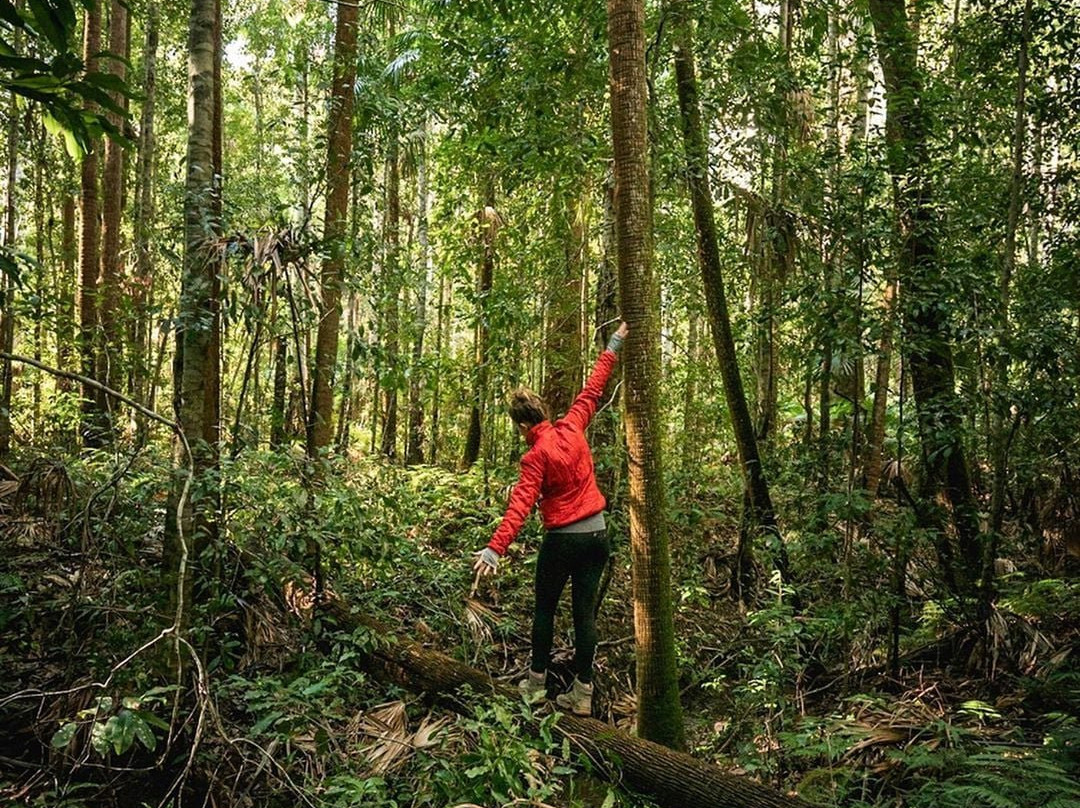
(659, 713)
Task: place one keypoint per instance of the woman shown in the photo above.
(557, 469)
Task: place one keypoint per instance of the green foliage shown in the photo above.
(59, 84)
(113, 726)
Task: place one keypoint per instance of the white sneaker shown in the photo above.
(534, 686)
(578, 699)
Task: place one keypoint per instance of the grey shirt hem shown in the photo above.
(590, 524)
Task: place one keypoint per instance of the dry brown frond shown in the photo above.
(389, 744)
(478, 617)
(382, 736)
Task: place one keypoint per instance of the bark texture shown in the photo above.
(671, 778)
(89, 246)
(110, 348)
(487, 221)
(659, 711)
(186, 532)
(414, 446)
(562, 344)
(320, 429)
(144, 215)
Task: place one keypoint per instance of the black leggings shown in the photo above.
(580, 557)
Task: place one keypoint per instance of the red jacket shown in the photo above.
(558, 466)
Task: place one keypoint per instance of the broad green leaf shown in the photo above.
(64, 735)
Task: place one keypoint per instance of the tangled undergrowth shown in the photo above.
(280, 711)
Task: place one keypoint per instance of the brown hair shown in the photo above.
(527, 408)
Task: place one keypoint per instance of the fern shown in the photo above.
(1001, 777)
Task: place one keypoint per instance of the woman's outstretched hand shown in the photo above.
(623, 330)
(487, 562)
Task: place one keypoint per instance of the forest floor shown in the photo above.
(802, 700)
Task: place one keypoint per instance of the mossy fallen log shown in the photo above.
(673, 779)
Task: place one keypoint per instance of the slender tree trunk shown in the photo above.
(875, 444)
(776, 249)
(441, 320)
(7, 314)
(659, 713)
(759, 515)
(144, 217)
(39, 271)
(65, 293)
(191, 509)
(562, 342)
(339, 152)
(1000, 429)
(414, 452)
(89, 245)
(487, 219)
(278, 411)
(604, 436)
(110, 346)
(690, 438)
(346, 409)
(391, 297)
(926, 328)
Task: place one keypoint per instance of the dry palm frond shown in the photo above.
(383, 737)
(300, 598)
(389, 743)
(478, 618)
(45, 490)
(26, 532)
(7, 488)
(424, 737)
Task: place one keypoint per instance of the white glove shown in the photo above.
(487, 562)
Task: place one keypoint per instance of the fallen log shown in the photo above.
(672, 779)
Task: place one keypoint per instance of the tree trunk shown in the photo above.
(690, 438)
(110, 345)
(345, 410)
(875, 444)
(391, 297)
(320, 419)
(562, 342)
(191, 502)
(144, 217)
(671, 778)
(441, 322)
(487, 221)
(659, 711)
(414, 451)
(759, 516)
(999, 431)
(65, 290)
(7, 312)
(925, 321)
(278, 411)
(604, 435)
(40, 293)
(89, 245)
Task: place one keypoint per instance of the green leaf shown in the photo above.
(143, 733)
(265, 722)
(120, 731)
(152, 720)
(64, 735)
(50, 23)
